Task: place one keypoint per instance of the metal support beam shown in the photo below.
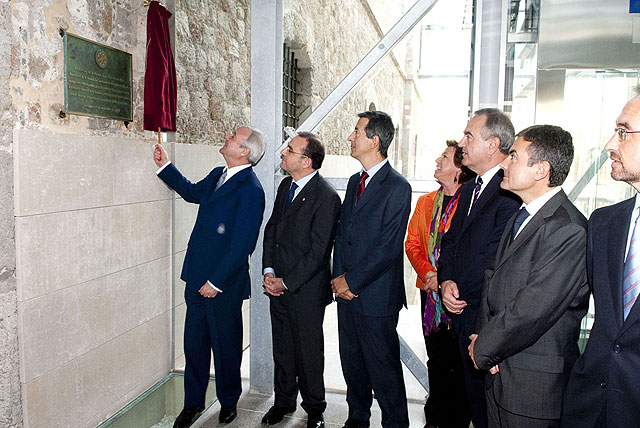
(490, 56)
(266, 115)
(414, 364)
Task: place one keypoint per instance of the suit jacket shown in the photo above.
(609, 370)
(225, 231)
(533, 301)
(471, 243)
(369, 243)
(298, 241)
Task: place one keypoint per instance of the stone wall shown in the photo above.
(85, 258)
(213, 66)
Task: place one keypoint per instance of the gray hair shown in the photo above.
(497, 125)
(255, 143)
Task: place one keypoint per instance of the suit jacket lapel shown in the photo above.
(373, 187)
(617, 242)
(307, 192)
(231, 184)
(487, 194)
(536, 222)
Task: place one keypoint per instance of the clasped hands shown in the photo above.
(273, 286)
(341, 288)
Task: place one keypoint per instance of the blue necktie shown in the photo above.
(630, 287)
(476, 190)
(292, 191)
(517, 223)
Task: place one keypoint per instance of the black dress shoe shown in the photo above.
(315, 421)
(353, 423)
(276, 414)
(227, 414)
(187, 416)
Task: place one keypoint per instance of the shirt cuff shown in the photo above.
(268, 270)
(214, 287)
(160, 170)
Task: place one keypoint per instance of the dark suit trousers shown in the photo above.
(212, 324)
(473, 379)
(370, 357)
(298, 353)
(447, 405)
(498, 417)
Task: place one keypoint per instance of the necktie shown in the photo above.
(361, 186)
(292, 191)
(221, 179)
(517, 223)
(631, 281)
(476, 190)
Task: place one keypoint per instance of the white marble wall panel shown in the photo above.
(58, 250)
(61, 172)
(60, 326)
(180, 315)
(178, 284)
(82, 388)
(184, 219)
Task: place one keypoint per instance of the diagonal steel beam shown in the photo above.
(377, 52)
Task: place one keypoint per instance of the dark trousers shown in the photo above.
(447, 405)
(212, 324)
(473, 379)
(370, 357)
(498, 417)
(298, 354)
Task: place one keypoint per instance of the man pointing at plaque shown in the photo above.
(216, 268)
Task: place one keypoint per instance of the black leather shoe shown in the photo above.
(353, 423)
(227, 414)
(187, 416)
(275, 415)
(315, 421)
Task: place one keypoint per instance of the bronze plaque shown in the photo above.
(97, 79)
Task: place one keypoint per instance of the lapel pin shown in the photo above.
(304, 199)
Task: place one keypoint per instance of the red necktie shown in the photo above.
(363, 178)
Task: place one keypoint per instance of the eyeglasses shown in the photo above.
(622, 133)
(290, 150)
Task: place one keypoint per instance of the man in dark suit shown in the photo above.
(368, 276)
(603, 389)
(536, 293)
(216, 269)
(296, 260)
(471, 243)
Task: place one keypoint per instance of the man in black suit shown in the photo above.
(536, 293)
(216, 268)
(368, 276)
(297, 274)
(471, 243)
(603, 389)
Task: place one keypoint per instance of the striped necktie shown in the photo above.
(292, 192)
(221, 179)
(476, 190)
(631, 281)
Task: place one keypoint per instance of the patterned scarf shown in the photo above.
(434, 313)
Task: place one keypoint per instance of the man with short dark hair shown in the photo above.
(603, 389)
(368, 276)
(297, 274)
(535, 293)
(472, 240)
(216, 268)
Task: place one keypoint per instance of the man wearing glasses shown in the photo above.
(603, 388)
(296, 260)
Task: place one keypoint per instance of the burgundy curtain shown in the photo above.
(160, 75)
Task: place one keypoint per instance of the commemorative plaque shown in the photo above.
(97, 79)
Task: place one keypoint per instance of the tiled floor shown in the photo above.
(252, 407)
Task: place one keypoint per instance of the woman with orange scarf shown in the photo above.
(430, 221)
